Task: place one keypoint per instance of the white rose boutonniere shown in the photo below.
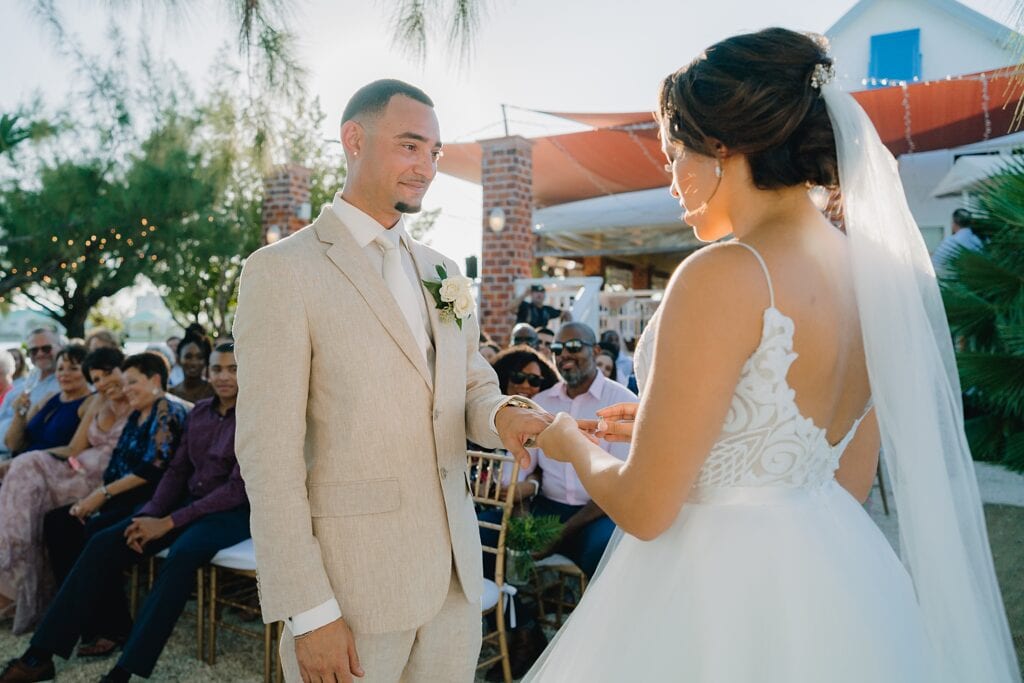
(453, 296)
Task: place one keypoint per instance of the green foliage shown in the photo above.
(531, 533)
(984, 298)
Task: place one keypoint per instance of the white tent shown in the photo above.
(969, 173)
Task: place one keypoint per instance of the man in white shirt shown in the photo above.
(43, 347)
(961, 238)
(582, 392)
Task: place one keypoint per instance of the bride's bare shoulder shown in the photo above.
(719, 293)
(722, 274)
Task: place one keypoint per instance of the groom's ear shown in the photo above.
(353, 137)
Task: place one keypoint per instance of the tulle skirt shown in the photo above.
(749, 585)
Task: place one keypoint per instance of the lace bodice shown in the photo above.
(765, 440)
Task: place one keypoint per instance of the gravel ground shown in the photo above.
(240, 660)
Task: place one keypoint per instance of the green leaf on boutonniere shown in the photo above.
(441, 271)
(434, 288)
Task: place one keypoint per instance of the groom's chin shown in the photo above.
(402, 207)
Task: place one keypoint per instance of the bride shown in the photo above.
(777, 365)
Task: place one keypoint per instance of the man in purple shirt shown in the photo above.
(198, 509)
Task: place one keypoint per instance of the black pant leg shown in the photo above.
(197, 544)
(65, 537)
(89, 590)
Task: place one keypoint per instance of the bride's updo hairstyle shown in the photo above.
(753, 94)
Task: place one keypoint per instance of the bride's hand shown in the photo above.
(616, 423)
(561, 437)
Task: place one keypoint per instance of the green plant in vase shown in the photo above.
(527, 535)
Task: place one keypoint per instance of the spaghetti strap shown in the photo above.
(764, 267)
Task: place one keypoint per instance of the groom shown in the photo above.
(355, 401)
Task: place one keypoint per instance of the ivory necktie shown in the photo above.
(401, 288)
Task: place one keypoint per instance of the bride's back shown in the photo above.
(809, 268)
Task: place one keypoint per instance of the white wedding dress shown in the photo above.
(771, 573)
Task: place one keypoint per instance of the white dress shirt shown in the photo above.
(365, 230)
(559, 481)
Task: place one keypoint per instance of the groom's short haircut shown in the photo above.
(371, 99)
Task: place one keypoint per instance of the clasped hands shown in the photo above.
(556, 435)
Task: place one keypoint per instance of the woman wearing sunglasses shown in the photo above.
(523, 372)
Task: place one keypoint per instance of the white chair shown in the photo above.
(237, 564)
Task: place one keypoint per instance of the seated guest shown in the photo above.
(606, 363)
(581, 393)
(545, 337)
(489, 351)
(20, 366)
(522, 371)
(39, 384)
(198, 508)
(555, 489)
(523, 335)
(100, 337)
(52, 421)
(7, 367)
(611, 340)
(39, 481)
(148, 439)
(193, 357)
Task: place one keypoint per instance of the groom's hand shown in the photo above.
(516, 426)
(328, 654)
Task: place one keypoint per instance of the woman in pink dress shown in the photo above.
(39, 481)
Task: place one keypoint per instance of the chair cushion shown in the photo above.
(239, 556)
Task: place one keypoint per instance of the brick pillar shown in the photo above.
(507, 180)
(285, 201)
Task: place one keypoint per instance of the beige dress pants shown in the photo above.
(443, 650)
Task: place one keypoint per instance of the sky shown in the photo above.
(555, 55)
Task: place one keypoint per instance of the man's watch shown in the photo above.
(520, 402)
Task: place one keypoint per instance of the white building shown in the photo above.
(916, 40)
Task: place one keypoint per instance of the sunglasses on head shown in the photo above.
(45, 348)
(572, 346)
(519, 377)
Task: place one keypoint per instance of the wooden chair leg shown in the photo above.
(151, 575)
(212, 644)
(267, 628)
(506, 666)
(133, 591)
(200, 614)
(881, 488)
(279, 631)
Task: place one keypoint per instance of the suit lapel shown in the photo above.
(443, 332)
(349, 258)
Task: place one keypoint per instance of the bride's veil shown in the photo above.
(916, 393)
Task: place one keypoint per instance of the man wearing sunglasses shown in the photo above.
(43, 347)
(582, 392)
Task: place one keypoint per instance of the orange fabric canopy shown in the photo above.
(622, 153)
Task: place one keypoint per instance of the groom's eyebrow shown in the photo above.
(409, 135)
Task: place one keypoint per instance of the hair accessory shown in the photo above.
(823, 74)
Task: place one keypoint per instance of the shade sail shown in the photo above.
(622, 153)
(969, 173)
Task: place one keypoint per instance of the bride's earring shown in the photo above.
(718, 168)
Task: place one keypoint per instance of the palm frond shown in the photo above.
(998, 379)
(985, 277)
(463, 25)
(411, 19)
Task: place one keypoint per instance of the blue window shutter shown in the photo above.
(895, 57)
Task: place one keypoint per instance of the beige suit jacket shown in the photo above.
(353, 456)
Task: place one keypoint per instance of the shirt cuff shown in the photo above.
(504, 402)
(312, 619)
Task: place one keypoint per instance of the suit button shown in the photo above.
(444, 472)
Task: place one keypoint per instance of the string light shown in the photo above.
(53, 239)
(71, 243)
(144, 221)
